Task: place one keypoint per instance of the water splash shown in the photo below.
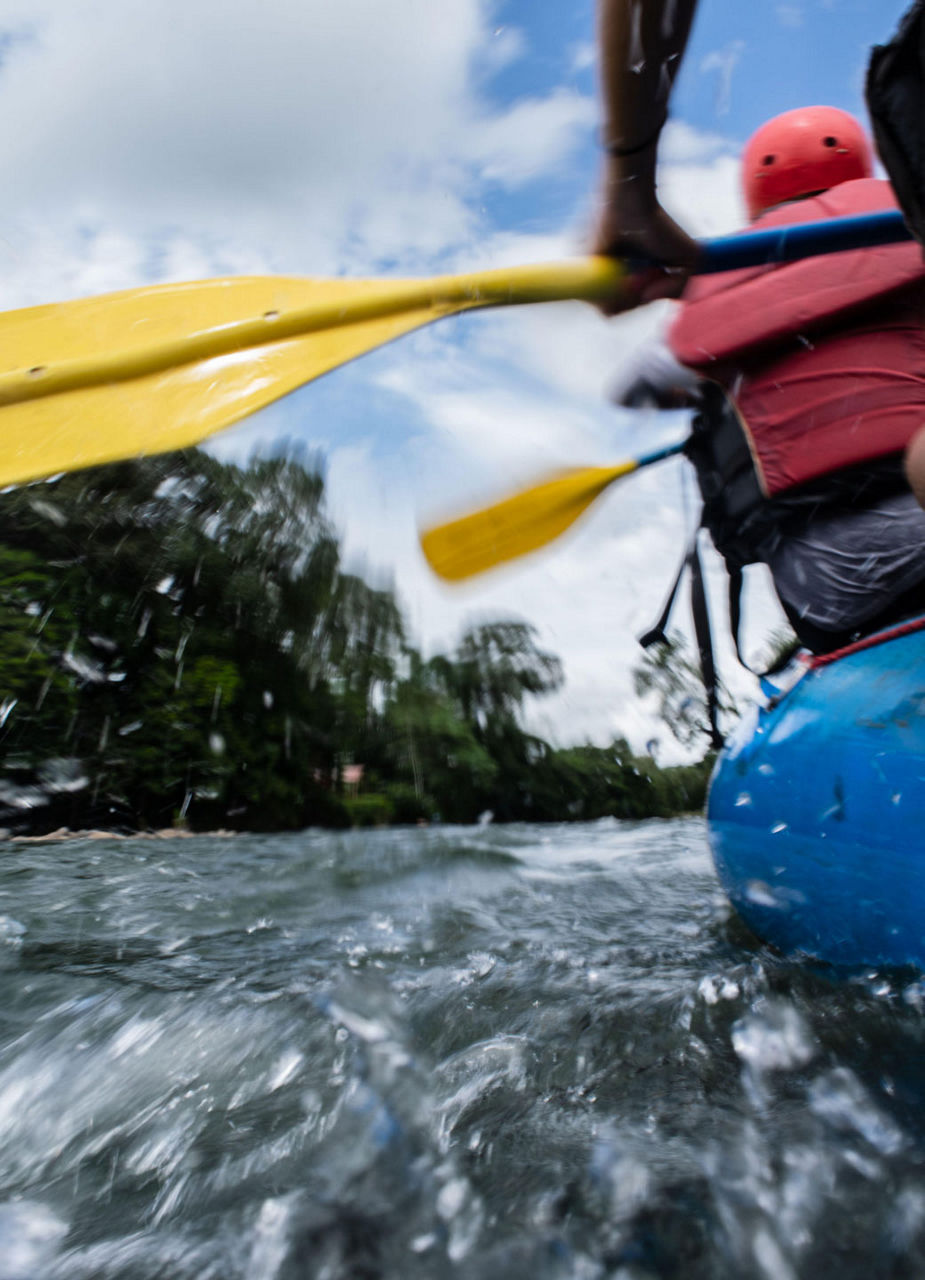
(381, 1054)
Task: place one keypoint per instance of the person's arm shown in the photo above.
(641, 44)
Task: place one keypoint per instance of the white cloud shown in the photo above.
(681, 143)
(323, 134)
(723, 62)
(506, 46)
(532, 138)
(706, 199)
(790, 15)
(583, 56)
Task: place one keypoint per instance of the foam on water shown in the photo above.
(537, 1052)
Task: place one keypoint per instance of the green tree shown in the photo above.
(433, 747)
(495, 666)
(184, 608)
(178, 640)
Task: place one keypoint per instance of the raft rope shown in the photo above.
(869, 642)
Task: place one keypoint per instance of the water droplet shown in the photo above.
(30, 1233)
(761, 894)
(776, 1039)
(839, 1098)
(286, 1069)
(452, 1198)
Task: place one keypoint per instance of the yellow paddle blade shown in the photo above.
(517, 525)
(163, 367)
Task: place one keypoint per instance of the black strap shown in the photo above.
(656, 633)
(735, 618)
(704, 643)
(735, 612)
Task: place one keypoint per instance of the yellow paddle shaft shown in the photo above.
(585, 279)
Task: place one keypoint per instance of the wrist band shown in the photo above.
(613, 149)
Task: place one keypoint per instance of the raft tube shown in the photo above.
(816, 810)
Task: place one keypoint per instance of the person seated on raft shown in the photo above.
(809, 379)
(641, 48)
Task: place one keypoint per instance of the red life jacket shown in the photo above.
(824, 359)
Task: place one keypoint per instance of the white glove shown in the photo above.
(656, 380)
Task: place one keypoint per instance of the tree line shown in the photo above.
(180, 643)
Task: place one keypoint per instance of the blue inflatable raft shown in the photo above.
(817, 808)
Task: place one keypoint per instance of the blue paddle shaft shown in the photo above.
(803, 240)
(667, 451)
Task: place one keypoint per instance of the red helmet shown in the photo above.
(802, 152)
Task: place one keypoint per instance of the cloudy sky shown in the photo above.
(149, 140)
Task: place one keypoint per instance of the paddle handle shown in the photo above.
(597, 279)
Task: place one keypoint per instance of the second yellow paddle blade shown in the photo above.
(517, 525)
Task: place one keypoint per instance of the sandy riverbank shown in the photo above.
(65, 833)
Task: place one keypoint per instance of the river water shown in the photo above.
(475, 1052)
